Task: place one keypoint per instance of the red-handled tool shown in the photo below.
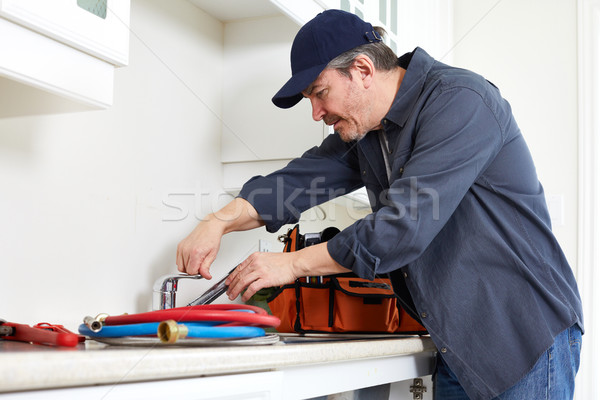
(59, 329)
(37, 335)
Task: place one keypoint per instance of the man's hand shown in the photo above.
(198, 250)
(196, 253)
(262, 270)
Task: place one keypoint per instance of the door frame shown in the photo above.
(588, 255)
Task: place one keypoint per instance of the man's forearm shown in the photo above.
(316, 261)
(199, 249)
(238, 215)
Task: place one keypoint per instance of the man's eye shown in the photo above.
(321, 93)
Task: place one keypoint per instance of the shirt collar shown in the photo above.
(419, 65)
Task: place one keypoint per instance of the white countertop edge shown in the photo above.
(30, 370)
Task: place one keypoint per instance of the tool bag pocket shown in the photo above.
(338, 303)
(363, 305)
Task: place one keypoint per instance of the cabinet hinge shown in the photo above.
(417, 389)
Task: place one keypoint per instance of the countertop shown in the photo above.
(25, 366)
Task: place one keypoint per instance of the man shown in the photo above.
(459, 217)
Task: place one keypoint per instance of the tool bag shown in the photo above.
(337, 303)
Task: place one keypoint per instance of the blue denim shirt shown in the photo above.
(462, 219)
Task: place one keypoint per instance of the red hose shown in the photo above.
(207, 312)
(257, 310)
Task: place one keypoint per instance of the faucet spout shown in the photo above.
(165, 290)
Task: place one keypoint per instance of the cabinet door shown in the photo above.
(101, 30)
(408, 23)
(256, 65)
(299, 11)
(248, 386)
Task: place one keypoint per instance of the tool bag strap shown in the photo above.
(292, 239)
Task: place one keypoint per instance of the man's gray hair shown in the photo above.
(382, 56)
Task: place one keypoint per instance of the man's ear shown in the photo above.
(365, 68)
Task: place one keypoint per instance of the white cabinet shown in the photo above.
(102, 30)
(300, 11)
(62, 47)
(408, 23)
(251, 386)
(258, 137)
(256, 65)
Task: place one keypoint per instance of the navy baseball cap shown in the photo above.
(319, 41)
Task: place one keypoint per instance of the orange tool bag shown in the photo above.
(337, 303)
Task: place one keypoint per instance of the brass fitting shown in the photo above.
(169, 331)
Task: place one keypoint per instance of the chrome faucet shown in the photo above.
(165, 290)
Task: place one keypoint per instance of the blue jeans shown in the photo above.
(551, 378)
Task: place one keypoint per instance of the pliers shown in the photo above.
(42, 333)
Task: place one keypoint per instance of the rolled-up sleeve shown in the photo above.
(321, 174)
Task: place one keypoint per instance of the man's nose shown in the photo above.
(318, 112)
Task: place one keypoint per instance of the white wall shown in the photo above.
(528, 48)
(93, 203)
(81, 210)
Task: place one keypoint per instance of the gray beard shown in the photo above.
(357, 137)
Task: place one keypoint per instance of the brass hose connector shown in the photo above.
(169, 331)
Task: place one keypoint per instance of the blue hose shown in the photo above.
(195, 329)
(121, 330)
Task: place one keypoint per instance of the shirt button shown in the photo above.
(364, 172)
(423, 315)
(444, 350)
(401, 170)
(405, 275)
(385, 121)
